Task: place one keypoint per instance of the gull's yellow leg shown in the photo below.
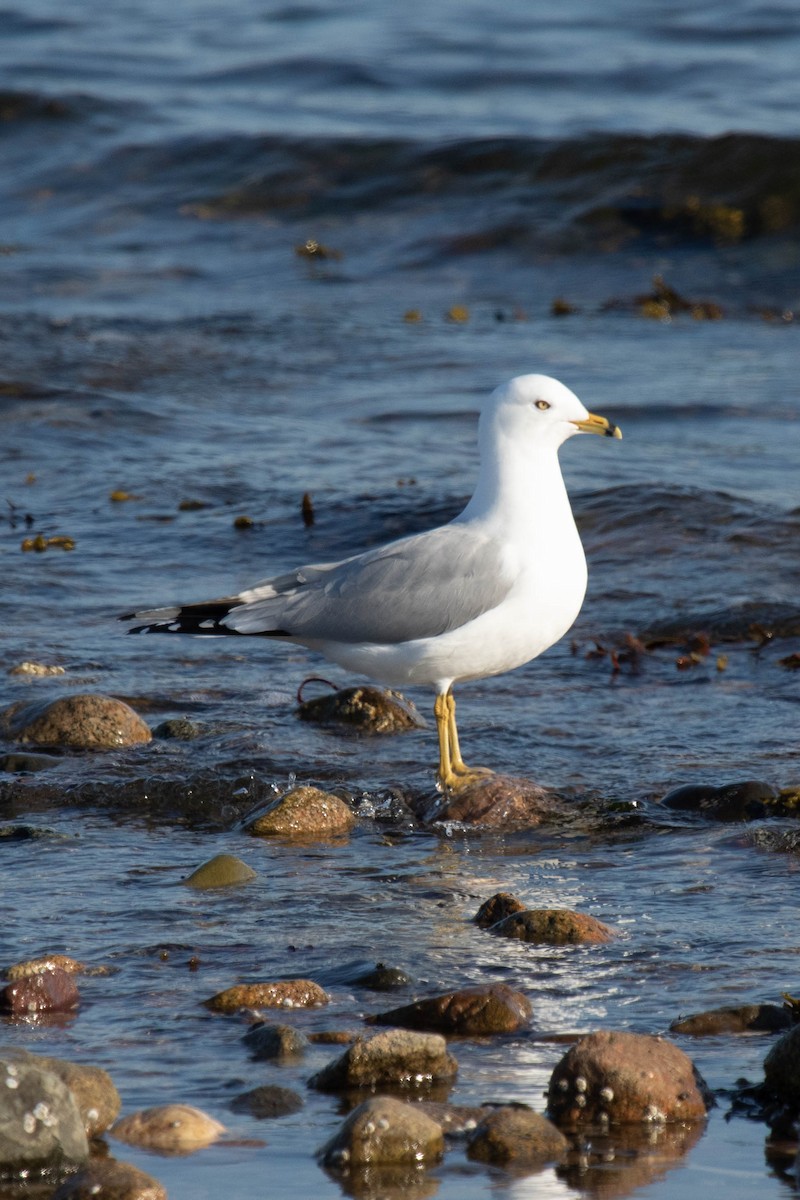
(459, 774)
(441, 710)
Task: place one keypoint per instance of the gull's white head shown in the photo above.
(538, 408)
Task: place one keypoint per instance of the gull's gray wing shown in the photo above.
(417, 587)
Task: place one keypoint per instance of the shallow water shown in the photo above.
(159, 334)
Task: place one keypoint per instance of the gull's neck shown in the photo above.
(518, 485)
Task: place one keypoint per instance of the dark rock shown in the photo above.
(383, 1130)
(471, 1012)
(267, 1102)
(107, 1179)
(394, 1057)
(27, 764)
(365, 709)
(553, 926)
(85, 721)
(51, 991)
(40, 1126)
(502, 904)
(745, 801)
(177, 729)
(746, 1018)
(383, 979)
(625, 1078)
(516, 1136)
(285, 993)
(782, 1067)
(304, 812)
(492, 802)
(266, 1041)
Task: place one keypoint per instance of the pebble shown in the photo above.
(40, 1126)
(366, 709)
(84, 721)
(303, 812)
(45, 992)
(746, 1018)
(267, 1102)
(396, 1056)
(381, 1131)
(168, 1129)
(223, 870)
(516, 1135)
(625, 1078)
(471, 1012)
(553, 926)
(287, 993)
(107, 1179)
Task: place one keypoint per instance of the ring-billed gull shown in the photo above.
(486, 593)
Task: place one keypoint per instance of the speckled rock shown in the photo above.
(107, 1179)
(383, 1130)
(746, 1018)
(471, 1012)
(177, 729)
(498, 906)
(223, 870)
(286, 993)
(84, 721)
(493, 802)
(93, 1089)
(267, 1102)
(782, 1067)
(267, 1041)
(518, 1136)
(169, 1129)
(553, 926)
(47, 962)
(43, 992)
(396, 1056)
(40, 1125)
(365, 709)
(304, 812)
(625, 1078)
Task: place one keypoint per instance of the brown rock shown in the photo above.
(223, 870)
(625, 1078)
(107, 1179)
(493, 802)
(169, 1129)
(554, 926)
(47, 991)
(782, 1067)
(746, 1018)
(305, 812)
(286, 993)
(85, 721)
(383, 1130)
(367, 709)
(92, 1088)
(471, 1012)
(394, 1057)
(267, 1102)
(267, 1041)
(49, 962)
(498, 906)
(516, 1135)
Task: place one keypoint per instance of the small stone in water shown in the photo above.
(287, 993)
(223, 870)
(169, 1128)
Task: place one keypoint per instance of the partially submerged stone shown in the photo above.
(286, 993)
(36, 669)
(41, 1129)
(85, 721)
(46, 962)
(92, 1089)
(625, 1078)
(169, 1129)
(366, 709)
(223, 870)
(381, 1131)
(396, 1056)
(782, 1067)
(743, 1018)
(267, 1102)
(381, 978)
(498, 906)
(553, 926)
(268, 1041)
(492, 802)
(748, 800)
(304, 812)
(107, 1179)
(470, 1012)
(51, 991)
(517, 1136)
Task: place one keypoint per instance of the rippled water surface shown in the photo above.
(259, 252)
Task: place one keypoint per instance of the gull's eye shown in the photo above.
(542, 405)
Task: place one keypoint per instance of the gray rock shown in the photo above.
(267, 1102)
(397, 1056)
(383, 1130)
(41, 1129)
(265, 1041)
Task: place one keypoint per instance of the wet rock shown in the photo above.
(84, 721)
(553, 926)
(516, 1136)
(471, 1012)
(782, 1067)
(753, 621)
(493, 802)
(47, 962)
(383, 979)
(27, 764)
(304, 812)
(223, 870)
(267, 1102)
(394, 1057)
(265, 1041)
(454, 1119)
(744, 1018)
(286, 993)
(107, 1179)
(745, 801)
(498, 906)
(92, 1089)
(383, 1130)
(169, 1129)
(36, 669)
(40, 1125)
(365, 709)
(51, 991)
(177, 729)
(335, 1037)
(625, 1078)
